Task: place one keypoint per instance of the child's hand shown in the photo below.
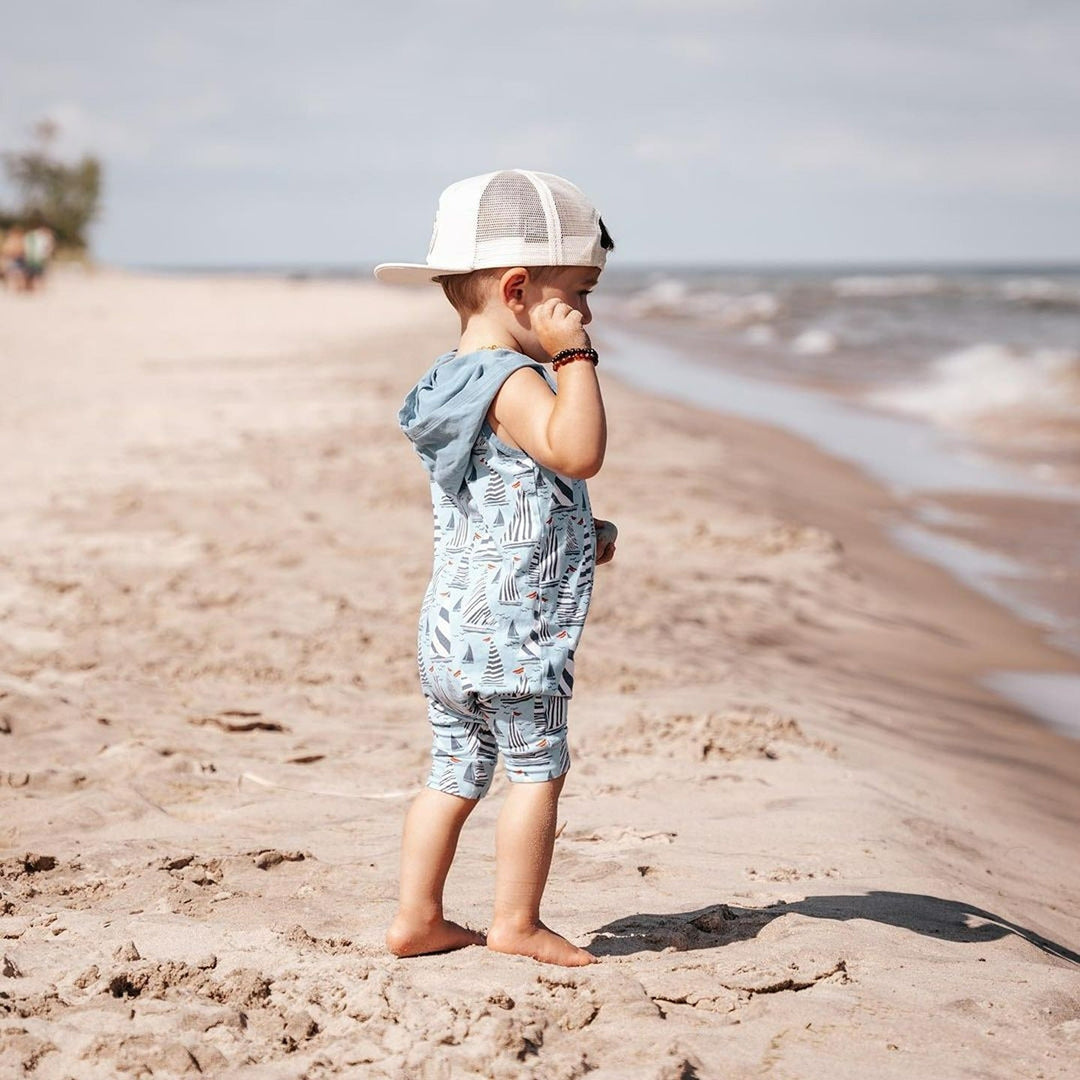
(557, 326)
(606, 535)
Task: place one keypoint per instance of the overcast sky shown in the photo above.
(321, 131)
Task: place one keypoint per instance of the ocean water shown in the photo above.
(970, 352)
(960, 390)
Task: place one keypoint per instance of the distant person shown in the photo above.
(13, 258)
(508, 426)
(38, 245)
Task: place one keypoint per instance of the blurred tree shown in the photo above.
(65, 196)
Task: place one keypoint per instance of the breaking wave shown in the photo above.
(886, 285)
(1040, 292)
(989, 378)
(815, 342)
(672, 298)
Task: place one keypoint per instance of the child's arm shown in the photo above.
(564, 432)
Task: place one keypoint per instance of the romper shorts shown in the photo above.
(467, 736)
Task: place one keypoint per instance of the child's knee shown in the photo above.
(532, 738)
(463, 754)
(548, 759)
(468, 780)
(462, 764)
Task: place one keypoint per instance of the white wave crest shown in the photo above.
(814, 342)
(1040, 292)
(672, 298)
(990, 378)
(886, 285)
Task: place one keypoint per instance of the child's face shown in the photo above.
(517, 295)
(571, 284)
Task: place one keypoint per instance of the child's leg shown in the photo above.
(428, 843)
(524, 841)
(525, 833)
(463, 756)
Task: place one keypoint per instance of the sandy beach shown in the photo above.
(802, 838)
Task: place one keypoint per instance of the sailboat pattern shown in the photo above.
(512, 578)
(530, 733)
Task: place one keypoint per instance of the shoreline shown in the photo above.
(961, 635)
(797, 832)
(914, 466)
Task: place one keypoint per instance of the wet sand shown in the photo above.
(802, 838)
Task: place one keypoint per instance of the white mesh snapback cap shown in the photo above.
(508, 218)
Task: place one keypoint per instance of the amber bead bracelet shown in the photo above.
(568, 355)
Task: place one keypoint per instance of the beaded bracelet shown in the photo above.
(567, 355)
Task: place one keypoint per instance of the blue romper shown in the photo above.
(508, 598)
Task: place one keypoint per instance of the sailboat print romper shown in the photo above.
(503, 614)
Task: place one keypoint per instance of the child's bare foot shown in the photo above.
(412, 938)
(540, 943)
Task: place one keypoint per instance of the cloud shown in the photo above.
(794, 110)
(1020, 164)
(82, 132)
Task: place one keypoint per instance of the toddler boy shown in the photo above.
(509, 426)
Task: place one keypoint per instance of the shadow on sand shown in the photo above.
(720, 924)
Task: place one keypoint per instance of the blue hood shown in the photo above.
(446, 409)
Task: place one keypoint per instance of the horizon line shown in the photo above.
(1059, 266)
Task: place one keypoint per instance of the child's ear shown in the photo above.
(512, 287)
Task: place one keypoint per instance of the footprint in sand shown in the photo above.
(30, 863)
(790, 873)
(330, 946)
(751, 732)
(235, 721)
(268, 857)
(620, 836)
(193, 869)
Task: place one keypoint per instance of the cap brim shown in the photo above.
(412, 273)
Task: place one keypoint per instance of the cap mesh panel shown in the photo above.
(510, 209)
(576, 216)
(518, 224)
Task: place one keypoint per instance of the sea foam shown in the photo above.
(672, 298)
(989, 378)
(1040, 292)
(886, 285)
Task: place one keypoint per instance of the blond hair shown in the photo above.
(466, 292)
